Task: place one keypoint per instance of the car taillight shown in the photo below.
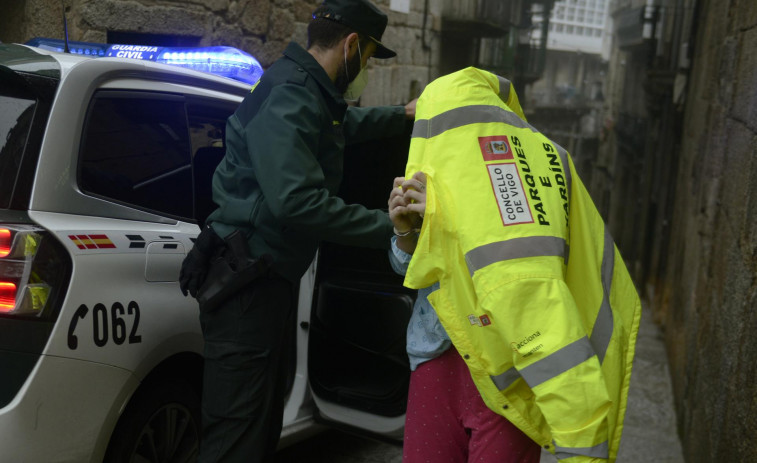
(32, 265)
(7, 297)
(5, 242)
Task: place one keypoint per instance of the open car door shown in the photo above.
(358, 367)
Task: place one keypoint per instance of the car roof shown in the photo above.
(67, 61)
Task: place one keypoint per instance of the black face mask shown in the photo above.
(346, 75)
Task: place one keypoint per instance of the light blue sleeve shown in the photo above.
(426, 337)
(398, 258)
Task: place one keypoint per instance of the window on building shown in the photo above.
(597, 32)
(569, 29)
(560, 28)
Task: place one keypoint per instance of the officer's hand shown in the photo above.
(194, 269)
(410, 109)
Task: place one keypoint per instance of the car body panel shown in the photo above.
(110, 284)
(65, 411)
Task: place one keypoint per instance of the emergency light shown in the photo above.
(221, 61)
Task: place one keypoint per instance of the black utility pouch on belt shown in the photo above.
(231, 269)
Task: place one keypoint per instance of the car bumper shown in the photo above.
(64, 412)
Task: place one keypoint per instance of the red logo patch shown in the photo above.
(495, 148)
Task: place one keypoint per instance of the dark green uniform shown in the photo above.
(277, 183)
(283, 166)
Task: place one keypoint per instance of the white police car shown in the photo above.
(106, 156)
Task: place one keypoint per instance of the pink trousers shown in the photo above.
(448, 422)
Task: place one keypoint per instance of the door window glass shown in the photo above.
(207, 129)
(16, 114)
(136, 150)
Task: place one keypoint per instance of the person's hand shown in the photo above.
(398, 212)
(414, 193)
(194, 268)
(410, 109)
(407, 202)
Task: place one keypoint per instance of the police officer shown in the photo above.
(276, 185)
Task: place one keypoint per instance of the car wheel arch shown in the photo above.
(181, 371)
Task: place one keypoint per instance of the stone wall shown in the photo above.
(417, 43)
(709, 297)
(260, 27)
(676, 179)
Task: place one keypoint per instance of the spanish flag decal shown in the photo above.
(92, 241)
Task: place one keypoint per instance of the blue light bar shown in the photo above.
(221, 61)
(77, 48)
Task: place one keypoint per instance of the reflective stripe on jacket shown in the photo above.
(533, 291)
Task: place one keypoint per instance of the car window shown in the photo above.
(207, 130)
(136, 150)
(16, 113)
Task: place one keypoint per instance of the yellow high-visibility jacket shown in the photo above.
(533, 292)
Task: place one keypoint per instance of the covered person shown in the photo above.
(276, 187)
(446, 419)
(526, 281)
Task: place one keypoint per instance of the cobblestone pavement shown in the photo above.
(338, 447)
(649, 434)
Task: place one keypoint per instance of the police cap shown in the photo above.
(361, 16)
